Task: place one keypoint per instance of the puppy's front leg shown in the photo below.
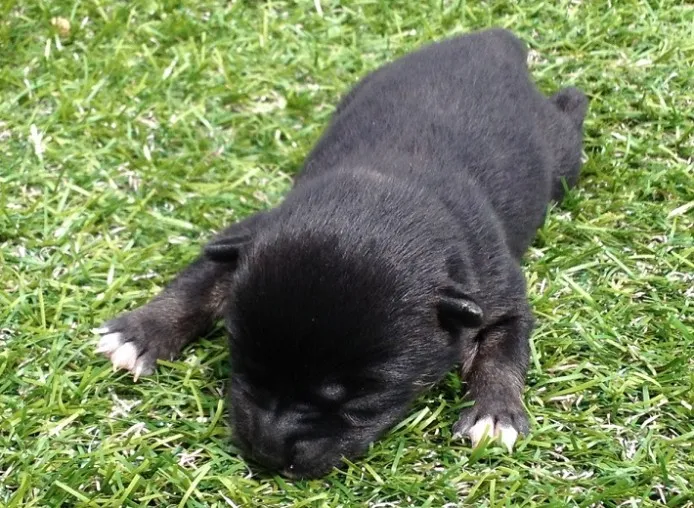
(495, 378)
(182, 312)
(186, 309)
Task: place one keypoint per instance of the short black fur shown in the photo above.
(394, 257)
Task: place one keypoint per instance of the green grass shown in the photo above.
(126, 141)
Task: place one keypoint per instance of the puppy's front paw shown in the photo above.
(502, 419)
(134, 341)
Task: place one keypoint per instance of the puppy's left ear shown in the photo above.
(456, 309)
(227, 248)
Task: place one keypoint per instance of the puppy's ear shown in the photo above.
(457, 310)
(228, 245)
(227, 248)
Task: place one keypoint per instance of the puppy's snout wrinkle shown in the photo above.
(272, 443)
(269, 456)
(311, 451)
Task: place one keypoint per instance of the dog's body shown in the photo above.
(394, 257)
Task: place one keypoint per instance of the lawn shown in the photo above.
(129, 131)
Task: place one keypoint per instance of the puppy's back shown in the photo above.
(457, 117)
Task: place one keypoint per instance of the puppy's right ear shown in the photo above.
(227, 248)
(458, 310)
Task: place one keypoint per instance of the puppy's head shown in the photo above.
(329, 346)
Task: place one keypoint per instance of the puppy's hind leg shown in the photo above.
(566, 136)
(495, 380)
(572, 102)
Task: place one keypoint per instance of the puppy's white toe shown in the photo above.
(507, 435)
(484, 427)
(141, 368)
(109, 343)
(125, 357)
(101, 330)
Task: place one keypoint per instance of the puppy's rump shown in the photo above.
(504, 43)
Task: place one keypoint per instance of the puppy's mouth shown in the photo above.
(294, 473)
(291, 471)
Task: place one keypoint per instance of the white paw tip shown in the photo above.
(109, 343)
(100, 331)
(507, 435)
(140, 369)
(483, 428)
(125, 357)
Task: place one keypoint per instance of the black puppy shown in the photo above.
(394, 257)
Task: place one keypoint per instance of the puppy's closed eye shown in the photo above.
(360, 412)
(307, 412)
